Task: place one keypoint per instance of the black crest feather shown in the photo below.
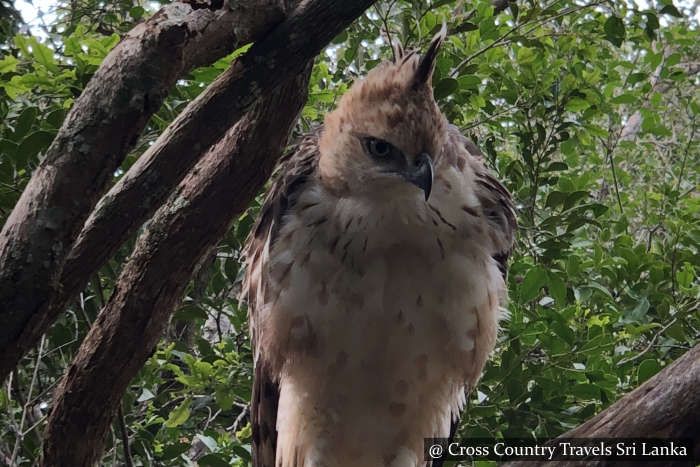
(424, 71)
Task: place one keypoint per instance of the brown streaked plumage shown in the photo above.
(375, 279)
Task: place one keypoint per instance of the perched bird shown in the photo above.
(375, 279)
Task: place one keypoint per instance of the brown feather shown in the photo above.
(293, 172)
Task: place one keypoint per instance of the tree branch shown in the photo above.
(193, 220)
(102, 126)
(665, 406)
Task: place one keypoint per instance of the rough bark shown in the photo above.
(129, 203)
(665, 406)
(102, 126)
(182, 231)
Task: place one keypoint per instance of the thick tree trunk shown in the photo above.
(665, 406)
(102, 126)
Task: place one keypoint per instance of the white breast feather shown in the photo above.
(382, 321)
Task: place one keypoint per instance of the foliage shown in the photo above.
(603, 282)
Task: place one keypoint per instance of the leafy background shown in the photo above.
(587, 110)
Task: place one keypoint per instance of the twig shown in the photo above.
(685, 155)
(210, 417)
(9, 398)
(615, 184)
(491, 117)
(501, 40)
(648, 347)
(20, 435)
(384, 18)
(238, 420)
(125, 437)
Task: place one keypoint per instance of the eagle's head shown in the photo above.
(387, 132)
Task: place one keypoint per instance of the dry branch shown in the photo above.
(102, 126)
(665, 406)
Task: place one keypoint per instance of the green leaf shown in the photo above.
(22, 44)
(245, 432)
(614, 30)
(639, 311)
(573, 198)
(671, 10)
(171, 451)
(686, 275)
(647, 369)
(213, 460)
(33, 144)
(676, 332)
(190, 313)
(445, 87)
(110, 41)
(533, 281)
(136, 12)
(8, 64)
(555, 198)
(673, 59)
(340, 38)
(627, 98)
(525, 55)
(209, 442)
(577, 104)
(204, 369)
(240, 451)
(224, 398)
(469, 82)
(55, 118)
(596, 286)
(556, 166)
(14, 87)
(24, 123)
(557, 287)
(465, 27)
(43, 55)
(7, 172)
(651, 26)
(563, 331)
(586, 391)
(179, 415)
(513, 9)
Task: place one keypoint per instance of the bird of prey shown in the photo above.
(375, 281)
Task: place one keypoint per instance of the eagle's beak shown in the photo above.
(421, 174)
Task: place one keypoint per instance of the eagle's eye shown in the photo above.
(378, 148)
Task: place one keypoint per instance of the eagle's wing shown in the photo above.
(293, 172)
(497, 207)
(496, 202)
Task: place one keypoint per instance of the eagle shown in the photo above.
(375, 278)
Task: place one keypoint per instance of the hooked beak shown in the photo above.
(421, 174)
